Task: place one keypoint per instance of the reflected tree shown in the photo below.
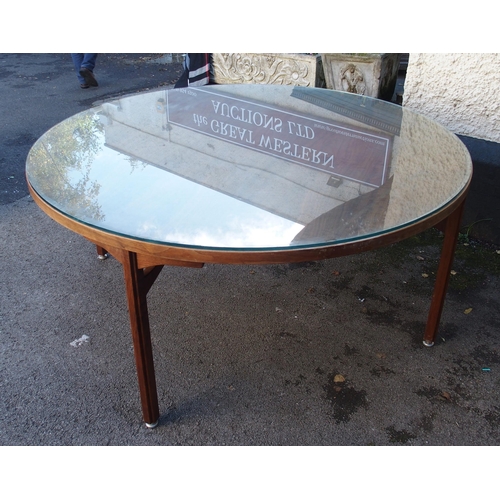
(59, 165)
(136, 164)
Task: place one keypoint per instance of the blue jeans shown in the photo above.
(83, 61)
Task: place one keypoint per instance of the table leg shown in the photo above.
(138, 282)
(101, 253)
(451, 227)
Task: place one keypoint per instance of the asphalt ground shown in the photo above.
(320, 354)
(37, 91)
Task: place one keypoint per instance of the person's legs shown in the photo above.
(88, 61)
(87, 68)
(84, 66)
(77, 62)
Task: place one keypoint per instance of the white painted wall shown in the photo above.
(460, 91)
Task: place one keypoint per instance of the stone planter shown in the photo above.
(303, 70)
(374, 75)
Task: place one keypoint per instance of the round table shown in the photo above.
(247, 174)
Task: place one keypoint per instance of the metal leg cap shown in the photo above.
(428, 344)
(103, 257)
(152, 426)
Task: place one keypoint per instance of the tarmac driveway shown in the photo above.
(37, 91)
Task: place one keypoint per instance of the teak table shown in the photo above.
(247, 174)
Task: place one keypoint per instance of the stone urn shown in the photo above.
(373, 75)
(303, 70)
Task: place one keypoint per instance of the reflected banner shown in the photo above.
(343, 151)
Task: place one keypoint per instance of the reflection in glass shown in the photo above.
(248, 166)
(59, 166)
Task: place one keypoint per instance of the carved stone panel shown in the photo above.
(372, 75)
(303, 70)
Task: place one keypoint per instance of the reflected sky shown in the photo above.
(164, 209)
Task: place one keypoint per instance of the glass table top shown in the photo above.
(248, 167)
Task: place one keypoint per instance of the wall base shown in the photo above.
(482, 208)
